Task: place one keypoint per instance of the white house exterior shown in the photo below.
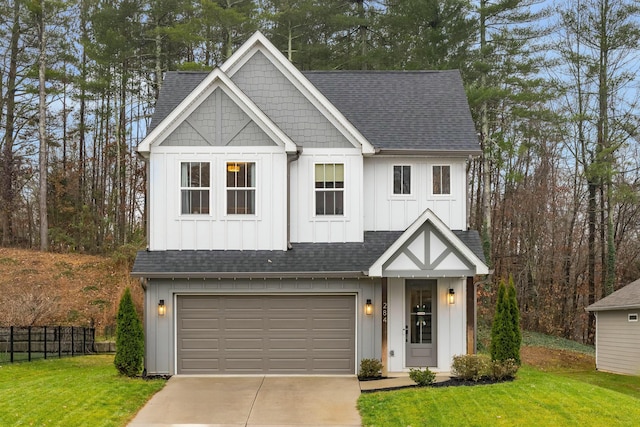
(618, 330)
(300, 222)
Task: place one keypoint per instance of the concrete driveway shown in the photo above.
(253, 401)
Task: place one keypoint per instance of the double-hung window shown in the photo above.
(442, 180)
(401, 179)
(194, 187)
(329, 188)
(241, 188)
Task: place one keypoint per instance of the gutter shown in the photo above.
(252, 275)
(418, 152)
(290, 159)
(613, 308)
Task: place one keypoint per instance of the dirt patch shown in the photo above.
(44, 288)
(549, 359)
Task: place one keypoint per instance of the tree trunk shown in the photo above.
(42, 128)
(8, 172)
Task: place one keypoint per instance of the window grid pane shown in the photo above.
(194, 183)
(329, 185)
(241, 193)
(402, 180)
(441, 180)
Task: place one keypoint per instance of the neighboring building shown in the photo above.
(300, 222)
(618, 330)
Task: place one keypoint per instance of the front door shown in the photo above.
(420, 331)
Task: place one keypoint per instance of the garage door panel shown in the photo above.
(266, 334)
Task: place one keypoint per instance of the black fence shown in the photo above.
(42, 342)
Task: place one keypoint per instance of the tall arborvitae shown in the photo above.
(505, 331)
(129, 338)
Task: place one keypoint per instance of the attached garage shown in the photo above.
(266, 334)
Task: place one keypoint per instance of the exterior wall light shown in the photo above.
(368, 308)
(162, 309)
(451, 296)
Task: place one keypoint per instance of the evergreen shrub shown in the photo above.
(129, 338)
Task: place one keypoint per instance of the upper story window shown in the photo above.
(402, 179)
(241, 188)
(329, 187)
(442, 180)
(194, 187)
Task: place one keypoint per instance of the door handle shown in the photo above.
(406, 333)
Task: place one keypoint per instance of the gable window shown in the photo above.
(442, 180)
(194, 187)
(241, 188)
(329, 187)
(402, 179)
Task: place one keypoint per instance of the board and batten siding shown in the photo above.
(618, 342)
(306, 226)
(171, 230)
(385, 211)
(160, 331)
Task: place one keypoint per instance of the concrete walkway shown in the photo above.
(253, 401)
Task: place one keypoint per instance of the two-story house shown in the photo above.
(302, 221)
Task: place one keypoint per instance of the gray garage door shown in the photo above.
(293, 334)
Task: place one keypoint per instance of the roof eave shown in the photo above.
(614, 308)
(428, 152)
(252, 275)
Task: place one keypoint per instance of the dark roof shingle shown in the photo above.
(627, 297)
(330, 259)
(394, 110)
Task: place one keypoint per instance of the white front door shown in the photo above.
(420, 329)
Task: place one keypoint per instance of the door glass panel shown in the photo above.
(421, 315)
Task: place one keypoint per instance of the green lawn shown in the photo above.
(73, 391)
(535, 398)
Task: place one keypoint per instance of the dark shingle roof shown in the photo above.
(176, 85)
(305, 259)
(403, 110)
(394, 110)
(627, 297)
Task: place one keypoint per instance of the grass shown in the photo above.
(535, 398)
(73, 391)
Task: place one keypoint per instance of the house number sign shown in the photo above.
(384, 312)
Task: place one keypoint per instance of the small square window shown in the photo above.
(442, 180)
(633, 317)
(401, 179)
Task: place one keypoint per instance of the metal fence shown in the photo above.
(41, 342)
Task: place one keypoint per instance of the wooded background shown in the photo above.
(553, 87)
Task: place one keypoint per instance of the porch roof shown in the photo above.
(343, 260)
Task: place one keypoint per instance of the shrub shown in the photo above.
(504, 369)
(476, 367)
(129, 338)
(370, 368)
(505, 331)
(472, 367)
(422, 377)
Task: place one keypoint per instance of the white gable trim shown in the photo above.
(376, 270)
(258, 42)
(216, 79)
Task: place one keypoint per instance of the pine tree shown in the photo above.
(129, 338)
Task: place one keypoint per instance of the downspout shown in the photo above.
(290, 159)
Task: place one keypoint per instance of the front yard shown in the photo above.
(73, 391)
(556, 387)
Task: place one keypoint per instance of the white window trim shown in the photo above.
(343, 215)
(413, 181)
(431, 181)
(226, 189)
(632, 317)
(210, 188)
